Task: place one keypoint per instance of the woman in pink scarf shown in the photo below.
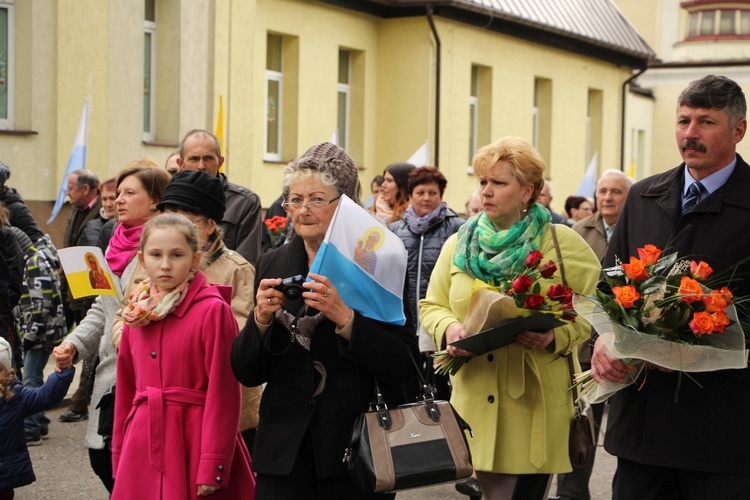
(140, 187)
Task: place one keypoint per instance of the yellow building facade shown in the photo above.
(292, 73)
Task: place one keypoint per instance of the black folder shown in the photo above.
(506, 333)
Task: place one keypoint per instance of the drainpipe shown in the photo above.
(437, 83)
(622, 117)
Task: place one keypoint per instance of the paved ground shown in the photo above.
(62, 469)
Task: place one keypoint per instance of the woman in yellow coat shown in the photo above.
(515, 398)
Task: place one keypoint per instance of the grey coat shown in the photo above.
(94, 336)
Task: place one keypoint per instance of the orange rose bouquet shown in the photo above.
(513, 297)
(662, 311)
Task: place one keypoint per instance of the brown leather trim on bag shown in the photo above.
(414, 429)
(382, 462)
(455, 439)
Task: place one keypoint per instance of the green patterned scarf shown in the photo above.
(485, 253)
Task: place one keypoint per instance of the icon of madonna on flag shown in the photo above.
(365, 261)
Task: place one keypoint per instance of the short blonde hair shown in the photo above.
(528, 165)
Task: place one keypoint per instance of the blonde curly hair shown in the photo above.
(6, 379)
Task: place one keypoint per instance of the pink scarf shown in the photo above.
(122, 247)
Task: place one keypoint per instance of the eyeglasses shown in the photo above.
(315, 203)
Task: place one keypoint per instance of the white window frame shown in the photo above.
(8, 122)
(274, 76)
(588, 130)
(535, 117)
(346, 89)
(149, 27)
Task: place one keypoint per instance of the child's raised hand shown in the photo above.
(204, 490)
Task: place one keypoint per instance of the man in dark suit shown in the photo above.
(695, 445)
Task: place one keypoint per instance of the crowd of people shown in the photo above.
(207, 376)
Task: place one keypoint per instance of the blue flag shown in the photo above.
(365, 261)
(76, 161)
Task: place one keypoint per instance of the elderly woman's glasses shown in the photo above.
(313, 203)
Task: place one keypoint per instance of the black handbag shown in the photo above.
(106, 407)
(409, 446)
(581, 439)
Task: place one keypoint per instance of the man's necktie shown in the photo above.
(694, 195)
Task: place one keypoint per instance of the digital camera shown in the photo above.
(292, 287)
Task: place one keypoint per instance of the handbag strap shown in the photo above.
(426, 396)
(569, 356)
(560, 263)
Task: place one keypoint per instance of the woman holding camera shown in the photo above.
(318, 357)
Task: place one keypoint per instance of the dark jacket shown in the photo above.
(706, 430)
(288, 409)
(20, 215)
(108, 229)
(90, 235)
(11, 285)
(16, 262)
(15, 463)
(424, 250)
(77, 222)
(241, 224)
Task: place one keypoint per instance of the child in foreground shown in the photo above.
(177, 403)
(16, 402)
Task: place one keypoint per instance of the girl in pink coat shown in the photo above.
(177, 403)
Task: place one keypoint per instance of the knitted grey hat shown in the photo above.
(327, 158)
(4, 173)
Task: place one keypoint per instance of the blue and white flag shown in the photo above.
(588, 183)
(365, 261)
(76, 161)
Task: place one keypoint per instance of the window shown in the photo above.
(149, 71)
(473, 112)
(726, 22)
(745, 22)
(542, 132)
(693, 28)
(480, 110)
(594, 125)
(722, 22)
(274, 93)
(7, 62)
(344, 98)
(707, 23)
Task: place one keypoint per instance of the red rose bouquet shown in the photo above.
(662, 311)
(276, 226)
(514, 297)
